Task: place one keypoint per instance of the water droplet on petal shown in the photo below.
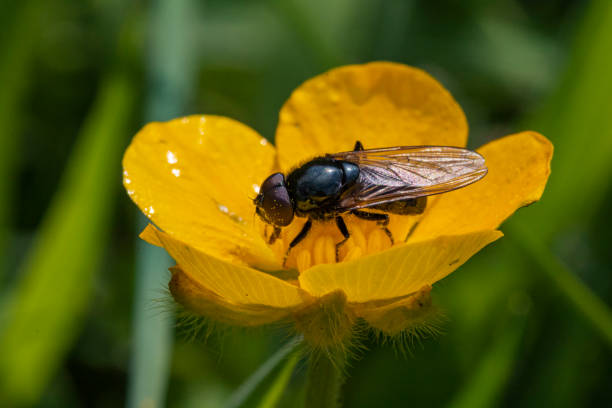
(263, 142)
(171, 157)
(176, 172)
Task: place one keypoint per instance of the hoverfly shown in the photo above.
(394, 180)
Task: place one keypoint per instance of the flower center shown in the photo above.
(319, 245)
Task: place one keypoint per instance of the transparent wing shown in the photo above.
(404, 172)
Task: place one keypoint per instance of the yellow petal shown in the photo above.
(412, 312)
(398, 271)
(204, 302)
(519, 166)
(193, 178)
(233, 283)
(381, 104)
(149, 234)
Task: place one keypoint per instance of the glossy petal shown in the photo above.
(234, 284)
(519, 166)
(381, 104)
(398, 271)
(198, 299)
(193, 178)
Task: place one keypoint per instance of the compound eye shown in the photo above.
(276, 203)
(273, 181)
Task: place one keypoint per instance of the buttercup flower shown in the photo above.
(195, 179)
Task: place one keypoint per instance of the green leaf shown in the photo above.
(56, 280)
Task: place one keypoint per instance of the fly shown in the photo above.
(394, 180)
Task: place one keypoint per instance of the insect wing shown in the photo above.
(399, 173)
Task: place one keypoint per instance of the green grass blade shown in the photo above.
(170, 68)
(275, 392)
(15, 60)
(246, 389)
(56, 281)
(577, 120)
(576, 292)
(152, 330)
(484, 388)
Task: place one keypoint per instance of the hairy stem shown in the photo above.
(325, 377)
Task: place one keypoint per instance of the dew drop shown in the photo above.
(263, 142)
(223, 208)
(171, 157)
(176, 172)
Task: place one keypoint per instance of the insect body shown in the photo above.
(393, 180)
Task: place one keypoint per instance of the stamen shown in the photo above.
(303, 260)
(319, 246)
(358, 237)
(330, 250)
(324, 250)
(353, 253)
(376, 241)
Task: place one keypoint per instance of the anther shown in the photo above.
(377, 241)
(303, 260)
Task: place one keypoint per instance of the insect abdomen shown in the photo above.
(411, 206)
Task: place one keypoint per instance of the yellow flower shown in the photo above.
(195, 178)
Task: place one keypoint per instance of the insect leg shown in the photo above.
(344, 231)
(381, 219)
(274, 236)
(358, 146)
(298, 238)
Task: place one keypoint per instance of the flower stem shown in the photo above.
(325, 377)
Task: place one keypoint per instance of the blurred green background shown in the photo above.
(83, 320)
